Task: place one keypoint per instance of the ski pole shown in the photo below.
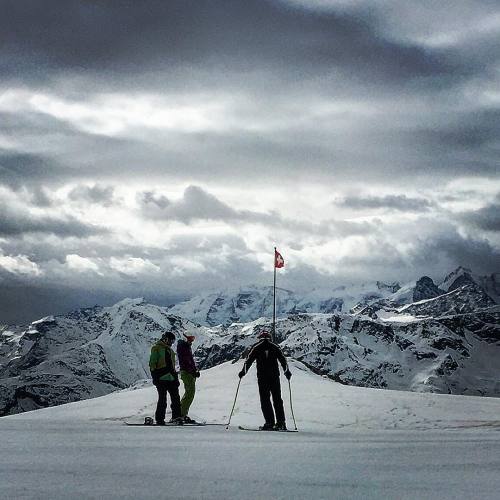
(234, 404)
(291, 404)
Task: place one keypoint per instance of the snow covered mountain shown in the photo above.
(231, 306)
(451, 354)
(84, 354)
(253, 302)
(463, 276)
(448, 343)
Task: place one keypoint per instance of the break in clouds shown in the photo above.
(159, 149)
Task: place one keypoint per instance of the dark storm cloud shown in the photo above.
(41, 249)
(368, 94)
(40, 197)
(102, 195)
(17, 222)
(400, 203)
(197, 204)
(36, 194)
(18, 168)
(486, 218)
(131, 37)
(384, 259)
(453, 249)
(73, 153)
(432, 251)
(471, 130)
(22, 302)
(274, 54)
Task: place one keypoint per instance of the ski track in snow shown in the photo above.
(353, 443)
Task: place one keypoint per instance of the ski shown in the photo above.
(199, 424)
(155, 425)
(196, 424)
(241, 428)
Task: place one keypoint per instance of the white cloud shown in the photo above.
(133, 266)
(117, 114)
(81, 264)
(20, 264)
(185, 265)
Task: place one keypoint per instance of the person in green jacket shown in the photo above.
(189, 374)
(165, 379)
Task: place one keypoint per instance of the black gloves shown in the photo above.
(241, 374)
(197, 374)
(288, 374)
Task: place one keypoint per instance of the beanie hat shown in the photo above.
(264, 335)
(168, 336)
(189, 338)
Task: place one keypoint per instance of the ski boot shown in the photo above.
(148, 421)
(188, 420)
(280, 426)
(176, 421)
(266, 427)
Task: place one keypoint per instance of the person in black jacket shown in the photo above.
(267, 354)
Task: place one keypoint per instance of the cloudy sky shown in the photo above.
(160, 148)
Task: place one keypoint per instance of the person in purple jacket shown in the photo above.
(189, 374)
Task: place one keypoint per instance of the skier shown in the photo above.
(189, 374)
(165, 378)
(267, 354)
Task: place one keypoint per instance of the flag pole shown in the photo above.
(273, 333)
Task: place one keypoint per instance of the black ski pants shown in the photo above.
(270, 386)
(163, 386)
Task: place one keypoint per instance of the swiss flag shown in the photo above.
(279, 261)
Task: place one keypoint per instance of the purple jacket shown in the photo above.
(185, 356)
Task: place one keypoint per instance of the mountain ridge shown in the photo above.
(245, 304)
(449, 343)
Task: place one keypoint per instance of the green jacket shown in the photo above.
(162, 362)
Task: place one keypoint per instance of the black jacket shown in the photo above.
(266, 354)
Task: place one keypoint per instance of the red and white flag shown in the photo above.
(279, 261)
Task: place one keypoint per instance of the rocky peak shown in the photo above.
(457, 278)
(426, 289)
(491, 284)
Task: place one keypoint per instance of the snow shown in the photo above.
(425, 301)
(353, 443)
(252, 302)
(389, 317)
(43, 320)
(454, 275)
(405, 294)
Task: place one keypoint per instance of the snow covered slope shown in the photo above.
(319, 404)
(353, 443)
